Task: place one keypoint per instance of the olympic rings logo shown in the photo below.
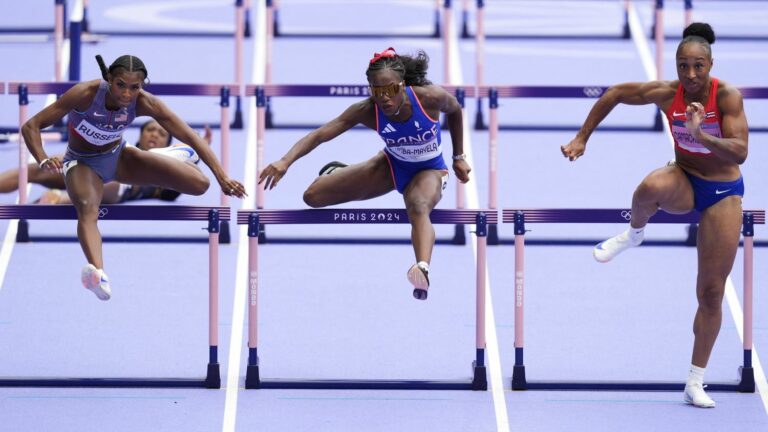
(626, 214)
(593, 92)
(103, 212)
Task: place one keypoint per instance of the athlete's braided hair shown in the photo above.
(412, 69)
(700, 33)
(128, 62)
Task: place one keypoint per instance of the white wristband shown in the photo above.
(459, 157)
(43, 162)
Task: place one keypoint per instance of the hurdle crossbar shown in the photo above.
(213, 215)
(267, 91)
(255, 218)
(520, 216)
(493, 93)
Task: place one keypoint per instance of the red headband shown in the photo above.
(387, 53)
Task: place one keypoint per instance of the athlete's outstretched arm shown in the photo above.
(360, 112)
(148, 104)
(79, 96)
(452, 109)
(635, 93)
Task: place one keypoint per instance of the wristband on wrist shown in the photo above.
(459, 157)
(43, 162)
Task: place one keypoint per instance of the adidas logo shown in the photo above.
(388, 128)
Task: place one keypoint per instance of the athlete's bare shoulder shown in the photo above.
(725, 89)
(433, 97)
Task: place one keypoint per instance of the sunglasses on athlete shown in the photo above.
(388, 90)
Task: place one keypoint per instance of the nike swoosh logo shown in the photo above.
(719, 192)
(98, 114)
(677, 114)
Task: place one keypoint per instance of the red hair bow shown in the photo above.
(387, 53)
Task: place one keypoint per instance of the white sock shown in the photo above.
(696, 374)
(424, 265)
(636, 234)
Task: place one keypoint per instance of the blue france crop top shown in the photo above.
(414, 140)
(99, 126)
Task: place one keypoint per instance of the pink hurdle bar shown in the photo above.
(213, 303)
(58, 37)
(748, 224)
(520, 217)
(659, 36)
(256, 218)
(23, 114)
(447, 31)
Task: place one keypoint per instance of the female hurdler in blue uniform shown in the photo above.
(97, 113)
(404, 109)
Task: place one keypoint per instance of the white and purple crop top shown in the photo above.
(99, 126)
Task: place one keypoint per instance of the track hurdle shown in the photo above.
(213, 215)
(263, 93)
(255, 218)
(520, 216)
(24, 89)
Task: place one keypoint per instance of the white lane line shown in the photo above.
(738, 317)
(730, 291)
(491, 342)
(6, 250)
(241, 279)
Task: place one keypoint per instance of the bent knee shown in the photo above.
(419, 207)
(86, 208)
(651, 188)
(200, 185)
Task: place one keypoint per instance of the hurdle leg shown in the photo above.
(22, 231)
(252, 380)
(479, 63)
(747, 383)
(213, 376)
(518, 372)
(480, 376)
(493, 139)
